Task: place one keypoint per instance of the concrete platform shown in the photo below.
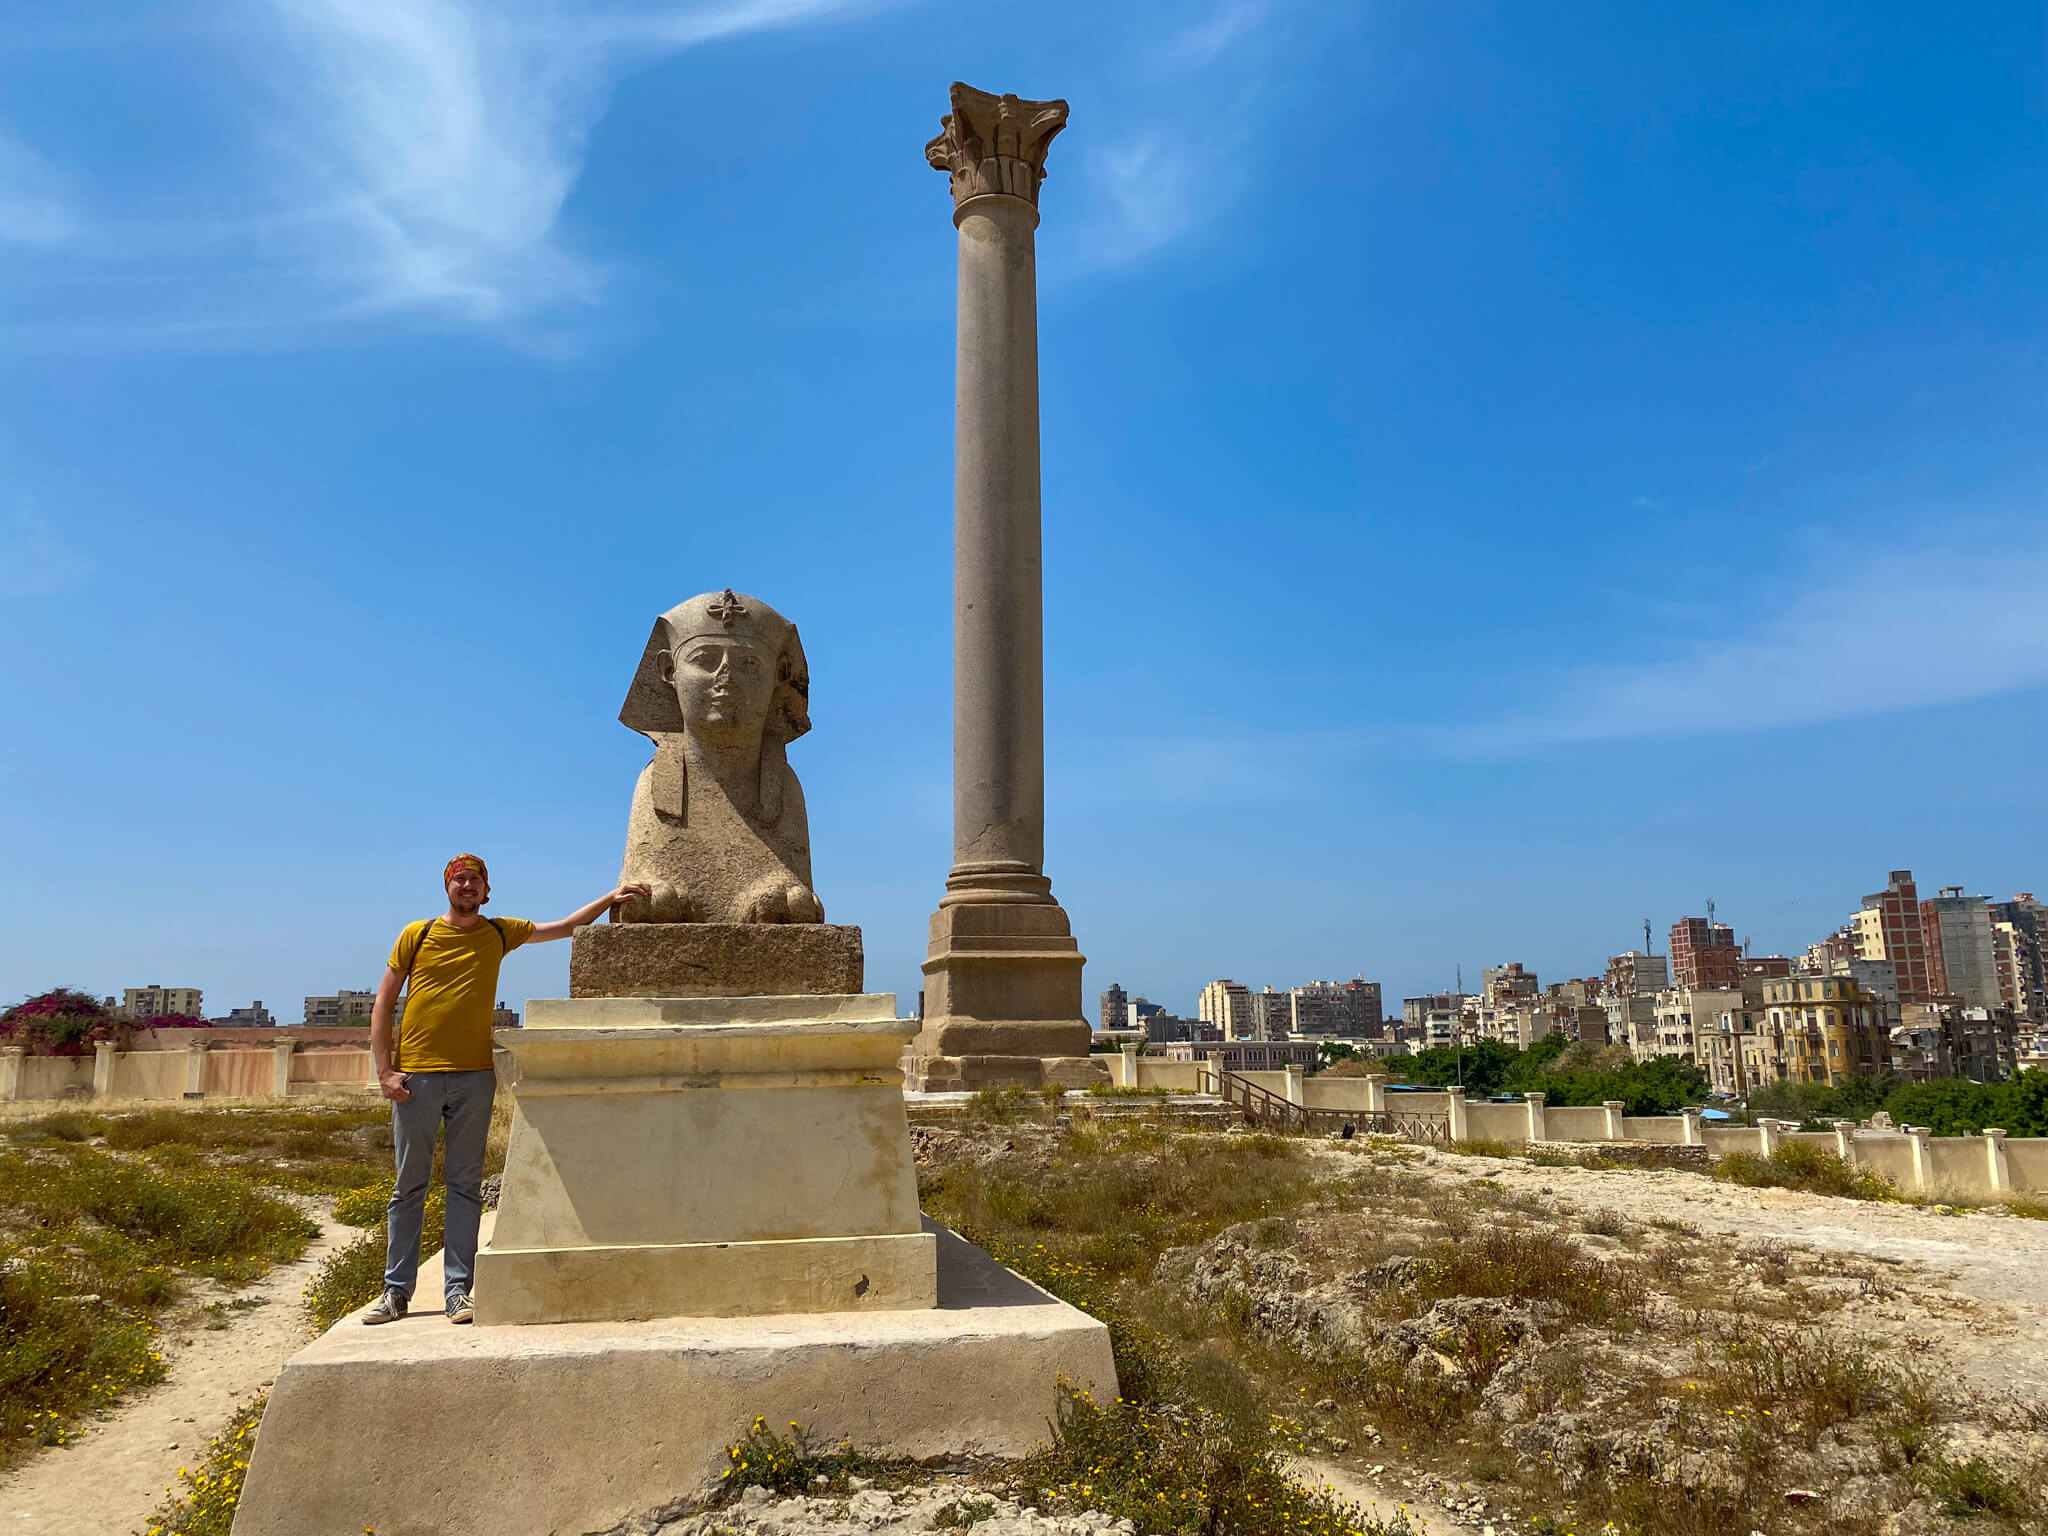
(422, 1428)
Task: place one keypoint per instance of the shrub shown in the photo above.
(1974, 1487)
(63, 1352)
(1002, 1105)
(312, 1151)
(64, 1125)
(61, 1022)
(214, 1488)
(1803, 1166)
(215, 1222)
(347, 1278)
(792, 1463)
(1532, 1264)
(353, 1274)
(1194, 1471)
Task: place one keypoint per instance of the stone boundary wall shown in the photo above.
(1974, 1168)
(284, 1066)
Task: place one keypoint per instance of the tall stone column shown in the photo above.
(1003, 975)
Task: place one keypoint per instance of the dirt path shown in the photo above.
(1975, 1284)
(109, 1480)
(1375, 1492)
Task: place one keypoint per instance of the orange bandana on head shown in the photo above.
(463, 861)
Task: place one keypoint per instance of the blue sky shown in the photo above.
(1509, 470)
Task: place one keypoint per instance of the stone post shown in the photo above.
(1455, 1104)
(11, 1058)
(1537, 1129)
(1923, 1162)
(1845, 1139)
(281, 1069)
(1774, 1133)
(1375, 1093)
(1003, 973)
(195, 1070)
(104, 1055)
(1295, 1078)
(1129, 1067)
(1616, 1131)
(1995, 1168)
(1691, 1132)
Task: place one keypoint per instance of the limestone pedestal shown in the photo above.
(705, 1157)
(417, 1428)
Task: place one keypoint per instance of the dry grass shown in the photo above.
(1805, 1167)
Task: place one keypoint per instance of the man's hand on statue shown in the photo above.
(392, 1081)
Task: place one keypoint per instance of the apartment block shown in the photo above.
(1704, 954)
(346, 1007)
(1228, 1006)
(1888, 927)
(1826, 1028)
(141, 1004)
(1962, 958)
(1636, 974)
(1334, 1008)
(1115, 1004)
(255, 1016)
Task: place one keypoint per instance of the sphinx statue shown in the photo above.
(718, 828)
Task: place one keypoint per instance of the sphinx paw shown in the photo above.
(804, 906)
(663, 904)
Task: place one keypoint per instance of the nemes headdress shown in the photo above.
(652, 710)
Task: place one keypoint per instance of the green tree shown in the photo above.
(1330, 1052)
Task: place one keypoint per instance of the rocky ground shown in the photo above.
(1490, 1344)
(951, 1503)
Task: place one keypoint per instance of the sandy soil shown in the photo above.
(1972, 1286)
(114, 1476)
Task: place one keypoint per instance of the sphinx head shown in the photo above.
(728, 670)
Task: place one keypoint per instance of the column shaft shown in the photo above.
(998, 615)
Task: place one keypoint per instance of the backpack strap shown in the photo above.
(419, 944)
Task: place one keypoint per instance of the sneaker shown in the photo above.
(388, 1308)
(461, 1309)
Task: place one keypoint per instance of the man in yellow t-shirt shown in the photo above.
(438, 1071)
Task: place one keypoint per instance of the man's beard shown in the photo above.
(464, 905)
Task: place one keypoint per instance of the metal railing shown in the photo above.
(1261, 1106)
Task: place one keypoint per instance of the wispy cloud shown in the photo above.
(415, 158)
(1845, 638)
(34, 561)
(34, 209)
(1200, 95)
(448, 134)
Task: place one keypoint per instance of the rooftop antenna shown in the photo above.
(1646, 937)
(1461, 978)
(1710, 914)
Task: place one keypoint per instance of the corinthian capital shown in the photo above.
(995, 144)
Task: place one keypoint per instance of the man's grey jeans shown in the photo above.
(463, 1100)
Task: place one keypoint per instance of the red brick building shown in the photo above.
(1889, 927)
(1704, 954)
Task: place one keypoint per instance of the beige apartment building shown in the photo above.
(1227, 1005)
(141, 1004)
(1823, 1029)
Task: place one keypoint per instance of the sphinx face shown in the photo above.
(724, 686)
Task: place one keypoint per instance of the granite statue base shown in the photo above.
(1002, 1000)
(714, 960)
(705, 1157)
(417, 1428)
